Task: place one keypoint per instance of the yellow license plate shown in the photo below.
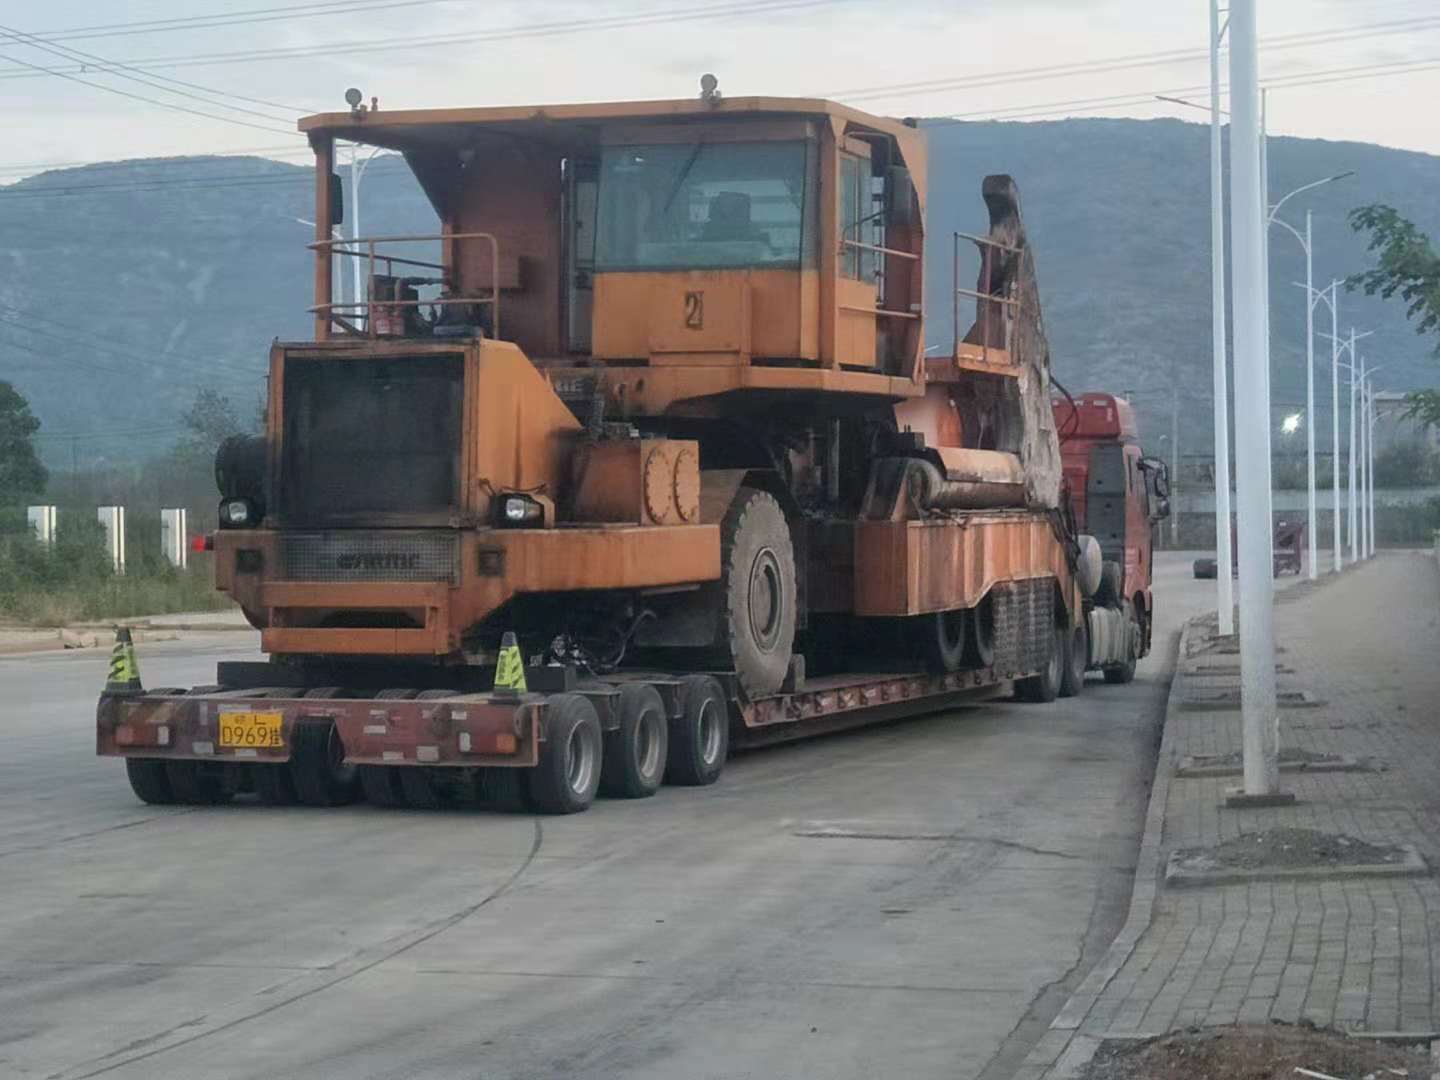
(252, 730)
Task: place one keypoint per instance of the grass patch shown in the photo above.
(72, 581)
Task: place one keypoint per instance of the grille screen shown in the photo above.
(369, 556)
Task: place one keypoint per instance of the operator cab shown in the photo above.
(709, 232)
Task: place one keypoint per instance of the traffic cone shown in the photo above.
(124, 668)
(510, 668)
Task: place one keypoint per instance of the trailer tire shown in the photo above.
(419, 788)
(1077, 659)
(636, 752)
(149, 781)
(700, 735)
(380, 785)
(1120, 674)
(275, 786)
(1044, 687)
(942, 639)
(980, 634)
(758, 587)
(200, 783)
(571, 757)
(317, 765)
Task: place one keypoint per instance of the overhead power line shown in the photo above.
(210, 96)
(730, 9)
(140, 97)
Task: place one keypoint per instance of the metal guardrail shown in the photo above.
(365, 312)
(1009, 302)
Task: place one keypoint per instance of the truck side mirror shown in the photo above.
(337, 200)
(899, 197)
(1162, 508)
(1157, 474)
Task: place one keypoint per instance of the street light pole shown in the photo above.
(1224, 587)
(1370, 464)
(1252, 413)
(1354, 388)
(1335, 423)
(1310, 391)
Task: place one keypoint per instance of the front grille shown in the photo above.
(369, 556)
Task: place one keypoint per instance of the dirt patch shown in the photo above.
(1287, 755)
(1288, 848)
(1255, 1052)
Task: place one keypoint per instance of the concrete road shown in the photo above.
(911, 900)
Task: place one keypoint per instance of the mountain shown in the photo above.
(126, 286)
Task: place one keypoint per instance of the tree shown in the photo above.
(210, 420)
(1410, 266)
(22, 477)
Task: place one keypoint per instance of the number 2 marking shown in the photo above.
(695, 310)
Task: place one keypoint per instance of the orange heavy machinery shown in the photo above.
(655, 399)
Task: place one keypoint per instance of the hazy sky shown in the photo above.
(406, 52)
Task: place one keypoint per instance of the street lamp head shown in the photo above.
(1291, 423)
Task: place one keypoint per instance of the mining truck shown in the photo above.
(641, 453)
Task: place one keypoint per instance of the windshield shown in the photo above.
(704, 205)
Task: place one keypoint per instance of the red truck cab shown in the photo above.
(1117, 496)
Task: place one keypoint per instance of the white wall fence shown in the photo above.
(174, 532)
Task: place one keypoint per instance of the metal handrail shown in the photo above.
(1010, 304)
(364, 309)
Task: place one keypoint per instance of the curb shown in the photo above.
(1081, 1048)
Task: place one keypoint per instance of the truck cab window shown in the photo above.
(705, 205)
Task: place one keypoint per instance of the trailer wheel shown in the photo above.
(700, 735)
(568, 773)
(1045, 686)
(380, 785)
(941, 638)
(149, 782)
(201, 783)
(757, 573)
(317, 761)
(1077, 659)
(980, 634)
(636, 752)
(274, 785)
(1119, 674)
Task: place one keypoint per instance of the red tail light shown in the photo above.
(202, 542)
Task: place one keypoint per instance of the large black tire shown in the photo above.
(980, 634)
(317, 761)
(381, 785)
(1119, 674)
(636, 752)
(568, 774)
(419, 788)
(941, 639)
(1077, 659)
(149, 781)
(275, 785)
(758, 591)
(1045, 686)
(700, 735)
(201, 783)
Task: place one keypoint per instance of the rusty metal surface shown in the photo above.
(467, 730)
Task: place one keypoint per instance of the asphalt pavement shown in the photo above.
(915, 899)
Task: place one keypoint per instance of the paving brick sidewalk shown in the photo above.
(1358, 953)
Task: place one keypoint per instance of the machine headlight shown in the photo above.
(236, 513)
(519, 510)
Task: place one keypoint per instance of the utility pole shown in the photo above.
(1174, 469)
(1224, 587)
(1335, 424)
(1357, 372)
(1312, 523)
(1370, 443)
(1364, 469)
(1252, 415)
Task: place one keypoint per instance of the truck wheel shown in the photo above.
(317, 765)
(274, 785)
(635, 753)
(1045, 686)
(1120, 674)
(980, 634)
(381, 785)
(757, 574)
(419, 788)
(700, 735)
(1077, 659)
(149, 782)
(568, 773)
(941, 638)
(200, 783)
